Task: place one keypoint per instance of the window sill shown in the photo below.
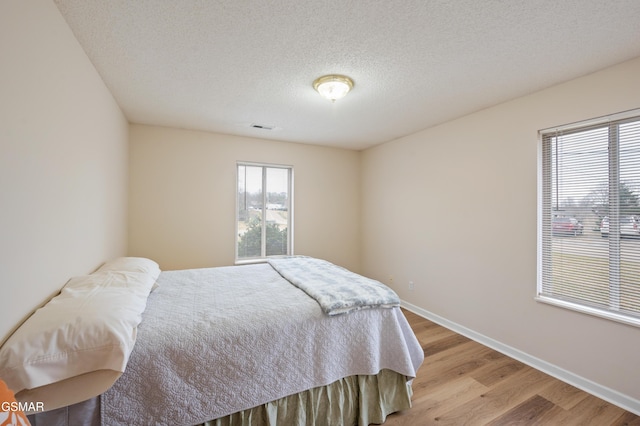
(625, 319)
(250, 261)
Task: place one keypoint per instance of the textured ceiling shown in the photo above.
(224, 65)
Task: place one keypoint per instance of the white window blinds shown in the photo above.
(590, 218)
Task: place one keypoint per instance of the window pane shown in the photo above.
(250, 203)
(629, 153)
(277, 211)
(579, 255)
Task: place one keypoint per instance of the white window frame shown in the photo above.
(583, 307)
(290, 239)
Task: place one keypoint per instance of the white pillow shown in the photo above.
(91, 325)
(135, 281)
(132, 264)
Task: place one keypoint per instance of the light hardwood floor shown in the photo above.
(465, 383)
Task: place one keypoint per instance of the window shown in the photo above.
(264, 214)
(589, 255)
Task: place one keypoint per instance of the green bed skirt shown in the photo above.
(354, 400)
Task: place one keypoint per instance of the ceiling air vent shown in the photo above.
(262, 126)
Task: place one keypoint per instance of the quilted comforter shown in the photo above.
(219, 340)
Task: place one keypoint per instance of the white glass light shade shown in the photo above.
(333, 87)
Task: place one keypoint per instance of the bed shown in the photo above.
(254, 344)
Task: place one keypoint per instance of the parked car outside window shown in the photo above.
(628, 227)
(567, 226)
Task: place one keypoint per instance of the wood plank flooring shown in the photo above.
(465, 383)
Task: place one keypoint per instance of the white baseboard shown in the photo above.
(603, 392)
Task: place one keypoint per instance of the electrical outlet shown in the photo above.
(411, 285)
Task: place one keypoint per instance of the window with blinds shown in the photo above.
(589, 251)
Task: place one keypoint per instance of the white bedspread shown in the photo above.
(216, 341)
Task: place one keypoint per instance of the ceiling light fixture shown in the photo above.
(333, 86)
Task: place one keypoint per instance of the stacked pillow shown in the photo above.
(91, 325)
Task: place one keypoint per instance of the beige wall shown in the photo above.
(182, 196)
(454, 209)
(63, 160)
